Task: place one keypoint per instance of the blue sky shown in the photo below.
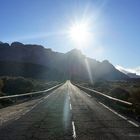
(115, 25)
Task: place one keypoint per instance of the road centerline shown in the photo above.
(70, 106)
(74, 131)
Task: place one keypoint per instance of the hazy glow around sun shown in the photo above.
(80, 33)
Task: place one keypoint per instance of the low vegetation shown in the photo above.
(16, 85)
(20, 85)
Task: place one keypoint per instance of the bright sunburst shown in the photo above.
(80, 33)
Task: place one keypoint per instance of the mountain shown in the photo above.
(11, 68)
(133, 75)
(130, 74)
(39, 62)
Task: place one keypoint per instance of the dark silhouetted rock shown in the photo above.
(17, 44)
(71, 65)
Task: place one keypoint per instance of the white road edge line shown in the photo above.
(74, 131)
(41, 100)
(70, 106)
(122, 116)
(136, 125)
(113, 111)
(87, 94)
(133, 123)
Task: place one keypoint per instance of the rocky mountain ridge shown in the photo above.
(70, 65)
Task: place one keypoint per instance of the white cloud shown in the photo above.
(129, 70)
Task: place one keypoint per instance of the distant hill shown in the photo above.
(130, 74)
(39, 62)
(133, 75)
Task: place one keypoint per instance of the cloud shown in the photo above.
(129, 70)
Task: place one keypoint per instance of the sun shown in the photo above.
(79, 33)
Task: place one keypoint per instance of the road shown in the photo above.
(66, 114)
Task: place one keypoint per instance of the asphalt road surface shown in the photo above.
(69, 113)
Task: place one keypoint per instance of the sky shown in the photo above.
(114, 26)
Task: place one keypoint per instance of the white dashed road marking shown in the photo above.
(70, 106)
(74, 131)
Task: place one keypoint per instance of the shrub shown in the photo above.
(120, 93)
(136, 95)
(1, 85)
(16, 85)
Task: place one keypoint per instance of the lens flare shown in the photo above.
(89, 71)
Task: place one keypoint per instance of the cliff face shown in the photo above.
(71, 65)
